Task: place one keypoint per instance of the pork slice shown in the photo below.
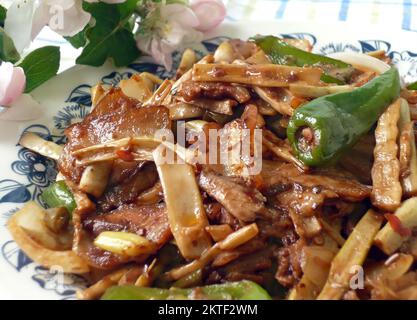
(335, 180)
(129, 189)
(124, 170)
(289, 270)
(217, 214)
(149, 221)
(239, 200)
(115, 117)
(191, 90)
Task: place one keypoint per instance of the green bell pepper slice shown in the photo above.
(335, 122)
(283, 53)
(58, 195)
(242, 290)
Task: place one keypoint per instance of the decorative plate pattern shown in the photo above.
(25, 174)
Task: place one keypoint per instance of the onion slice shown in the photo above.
(361, 60)
(19, 227)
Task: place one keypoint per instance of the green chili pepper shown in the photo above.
(242, 290)
(412, 86)
(192, 280)
(329, 79)
(58, 195)
(335, 122)
(280, 52)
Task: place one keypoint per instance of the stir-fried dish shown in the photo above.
(317, 198)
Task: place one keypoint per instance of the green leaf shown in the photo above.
(111, 36)
(8, 51)
(79, 40)
(40, 65)
(3, 12)
(412, 86)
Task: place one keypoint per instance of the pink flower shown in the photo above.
(14, 104)
(179, 25)
(210, 13)
(12, 83)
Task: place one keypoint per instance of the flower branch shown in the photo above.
(119, 30)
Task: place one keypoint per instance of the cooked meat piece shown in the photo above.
(123, 170)
(128, 190)
(302, 205)
(360, 165)
(289, 270)
(116, 116)
(217, 214)
(305, 205)
(102, 259)
(241, 201)
(255, 245)
(358, 161)
(191, 90)
(334, 180)
(237, 276)
(218, 106)
(306, 201)
(249, 264)
(148, 221)
(277, 228)
(280, 99)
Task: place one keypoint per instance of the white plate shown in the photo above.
(66, 99)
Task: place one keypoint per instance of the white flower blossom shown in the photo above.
(26, 18)
(179, 25)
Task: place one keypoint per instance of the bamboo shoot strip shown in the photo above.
(141, 148)
(186, 214)
(35, 143)
(268, 75)
(353, 253)
(408, 151)
(389, 239)
(386, 187)
(231, 242)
